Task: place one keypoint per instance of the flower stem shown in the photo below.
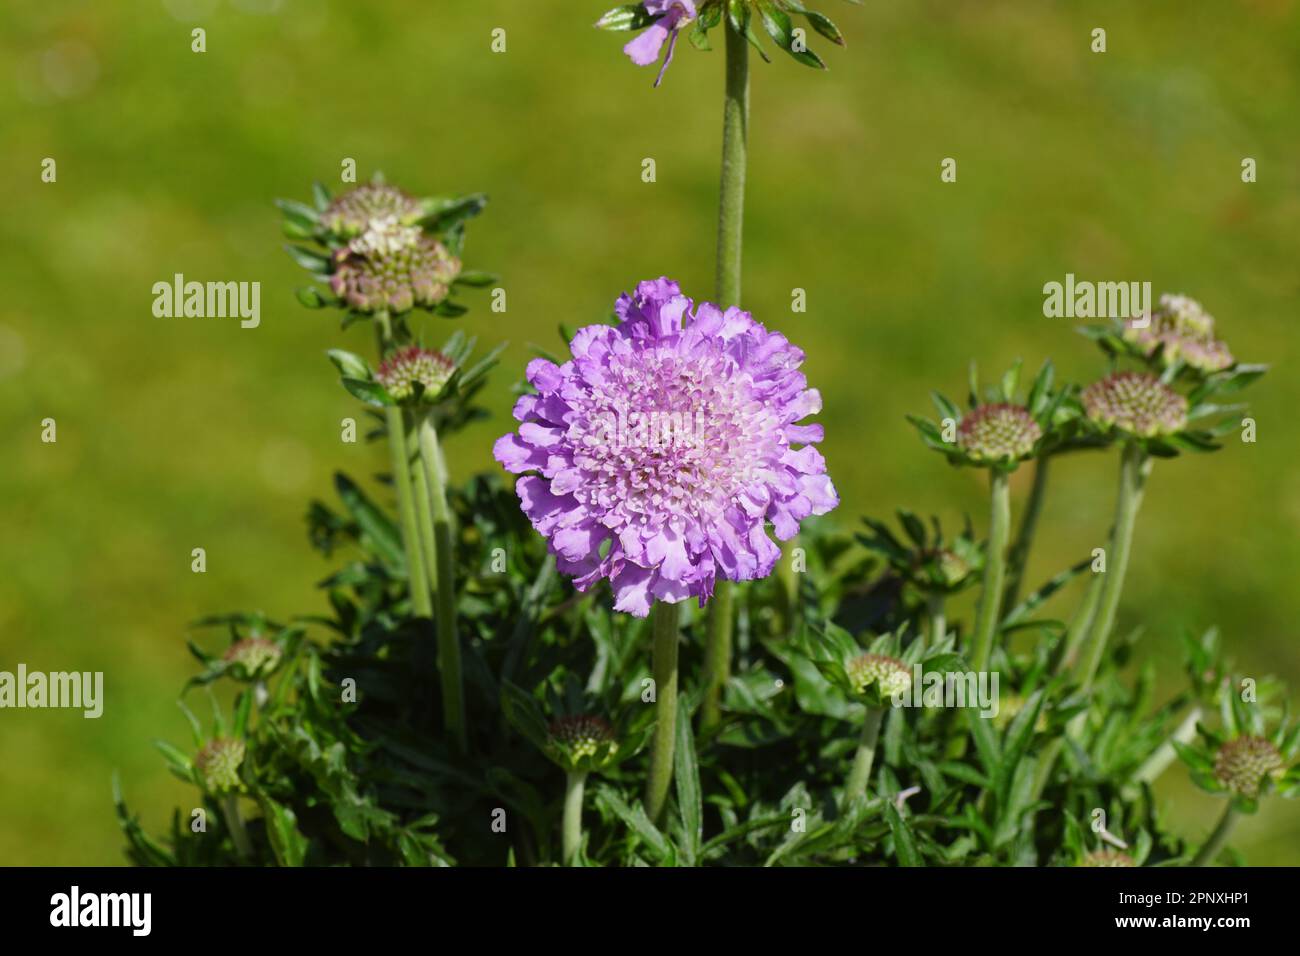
(1164, 755)
(717, 653)
(735, 133)
(663, 625)
(235, 823)
(1080, 626)
(421, 601)
(449, 666)
(866, 754)
(986, 621)
(423, 510)
(1019, 555)
(731, 217)
(574, 784)
(1135, 466)
(938, 620)
(1207, 853)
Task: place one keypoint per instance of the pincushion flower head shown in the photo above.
(393, 271)
(997, 431)
(1244, 761)
(662, 20)
(253, 657)
(1180, 330)
(657, 455)
(378, 249)
(1106, 858)
(218, 764)
(1135, 403)
(878, 677)
(581, 742)
(411, 372)
(354, 212)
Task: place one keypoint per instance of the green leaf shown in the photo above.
(636, 820)
(349, 364)
(524, 714)
(904, 841)
(299, 214)
(476, 279)
(287, 842)
(309, 259)
(443, 214)
(629, 16)
(380, 531)
(372, 393)
(320, 195)
(686, 777)
(823, 25)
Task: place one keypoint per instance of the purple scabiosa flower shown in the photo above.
(394, 276)
(1136, 403)
(655, 457)
(671, 14)
(408, 367)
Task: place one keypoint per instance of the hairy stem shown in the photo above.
(235, 823)
(990, 606)
(934, 610)
(1019, 555)
(663, 625)
(449, 666)
(1135, 465)
(574, 784)
(731, 217)
(865, 756)
(1164, 755)
(1207, 853)
(423, 510)
(421, 600)
(1080, 626)
(717, 653)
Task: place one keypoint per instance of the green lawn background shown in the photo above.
(175, 434)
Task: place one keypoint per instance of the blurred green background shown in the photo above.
(183, 433)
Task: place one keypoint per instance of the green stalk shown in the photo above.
(1207, 854)
(1080, 626)
(423, 511)
(574, 783)
(717, 653)
(663, 625)
(990, 607)
(1135, 466)
(866, 754)
(449, 666)
(731, 217)
(934, 602)
(235, 823)
(421, 601)
(1019, 555)
(1164, 755)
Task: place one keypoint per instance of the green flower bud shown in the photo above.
(1136, 403)
(218, 764)
(257, 655)
(1000, 432)
(581, 742)
(407, 367)
(352, 213)
(1183, 331)
(1243, 764)
(878, 677)
(397, 279)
